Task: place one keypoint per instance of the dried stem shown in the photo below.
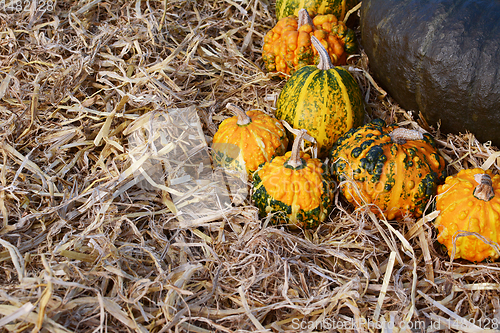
(304, 18)
(325, 63)
(243, 118)
(401, 135)
(484, 191)
(295, 161)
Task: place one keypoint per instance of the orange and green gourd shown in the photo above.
(339, 8)
(247, 140)
(394, 170)
(287, 47)
(469, 202)
(324, 99)
(295, 188)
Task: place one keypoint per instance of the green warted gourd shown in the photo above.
(395, 170)
(296, 188)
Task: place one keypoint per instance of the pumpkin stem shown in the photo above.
(243, 118)
(401, 135)
(325, 63)
(304, 18)
(295, 161)
(484, 191)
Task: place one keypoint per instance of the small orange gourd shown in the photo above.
(247, 140)
(287, 47)
(296, 188)
(469, 201)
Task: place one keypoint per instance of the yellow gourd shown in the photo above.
(247, 140)
(296, 188)
(469, 201)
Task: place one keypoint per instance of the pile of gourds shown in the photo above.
(392, 170)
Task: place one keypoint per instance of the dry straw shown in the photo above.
(89, 243)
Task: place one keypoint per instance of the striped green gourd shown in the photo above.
(338, 8)
(325, 100)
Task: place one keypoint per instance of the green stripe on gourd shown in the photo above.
(338, 8)
(325, 100)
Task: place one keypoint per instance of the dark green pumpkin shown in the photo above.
(439, 57)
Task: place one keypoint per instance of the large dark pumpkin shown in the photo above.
(440, 57)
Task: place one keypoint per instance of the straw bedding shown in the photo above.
(86, 247)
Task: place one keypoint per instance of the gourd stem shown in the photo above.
(304, 18)
(295, 161)
(325, 63)
(484, 191)
(243, 118)
(401, 135)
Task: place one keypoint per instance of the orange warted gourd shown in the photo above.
(247, 140)
(469, 201)
(395, 170)
(295, 188)
(325, 100)
(287, 47)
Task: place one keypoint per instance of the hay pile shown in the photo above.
(84, 248)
